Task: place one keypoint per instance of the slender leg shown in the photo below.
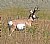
(15, 29)
(12, 30)
(9, 29)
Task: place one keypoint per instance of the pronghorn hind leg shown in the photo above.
(15, 29)
(9, 27)
(9, 30)
(12, 30)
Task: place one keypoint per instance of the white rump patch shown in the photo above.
(20, 26)
(10, 23)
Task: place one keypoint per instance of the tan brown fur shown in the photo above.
(27, 22)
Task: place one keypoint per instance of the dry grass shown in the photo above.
(39, 33)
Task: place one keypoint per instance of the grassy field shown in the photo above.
(39, 33)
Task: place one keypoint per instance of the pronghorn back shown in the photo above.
(22, 21)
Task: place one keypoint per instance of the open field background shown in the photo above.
(39, 33)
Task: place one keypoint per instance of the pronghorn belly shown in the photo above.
(20, 26)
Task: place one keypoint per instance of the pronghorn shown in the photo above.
(32, 13)
(21, 23)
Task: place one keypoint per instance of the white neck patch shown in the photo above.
(34, 16)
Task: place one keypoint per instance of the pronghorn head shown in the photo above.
(32, 15)
(31, 11)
